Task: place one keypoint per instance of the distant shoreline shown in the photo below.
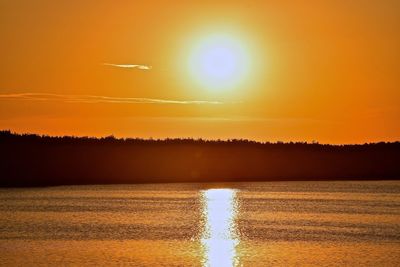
(206, 185)
(28, 160)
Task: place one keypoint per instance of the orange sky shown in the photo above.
(320, 70)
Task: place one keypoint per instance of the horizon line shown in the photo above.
(195, 139)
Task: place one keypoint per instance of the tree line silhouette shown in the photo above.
(33, 160)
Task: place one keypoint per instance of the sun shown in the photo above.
(219, 62)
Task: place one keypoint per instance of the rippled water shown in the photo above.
(243, 224)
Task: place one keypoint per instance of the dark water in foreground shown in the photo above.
(245, 224)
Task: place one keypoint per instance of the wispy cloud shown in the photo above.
(129, 66)
(100, 99)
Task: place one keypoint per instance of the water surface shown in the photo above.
(234, 224)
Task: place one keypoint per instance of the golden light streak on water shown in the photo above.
(219, 238)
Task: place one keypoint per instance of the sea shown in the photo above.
(330, 223)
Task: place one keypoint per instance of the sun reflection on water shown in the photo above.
(219, 237)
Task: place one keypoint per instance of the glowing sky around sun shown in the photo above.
(263, 70)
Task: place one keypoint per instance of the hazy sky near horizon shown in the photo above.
(300, 70)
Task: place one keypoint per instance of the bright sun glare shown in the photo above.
(219, 62)
(219, 237)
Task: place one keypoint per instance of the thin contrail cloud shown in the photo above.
(101, 99)
(129, 66)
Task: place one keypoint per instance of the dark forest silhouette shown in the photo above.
(33, 160)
